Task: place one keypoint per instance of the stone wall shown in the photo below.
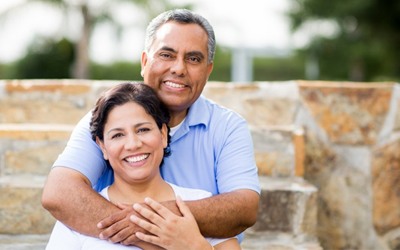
(341, 137)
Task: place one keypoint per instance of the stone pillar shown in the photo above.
(352, 157)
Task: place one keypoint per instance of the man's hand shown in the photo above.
(118, 228)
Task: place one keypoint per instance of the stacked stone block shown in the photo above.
(27, 152)
(352, 157)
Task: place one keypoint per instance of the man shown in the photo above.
(211, 146)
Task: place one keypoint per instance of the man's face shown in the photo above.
(176, 66)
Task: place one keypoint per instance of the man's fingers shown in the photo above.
(110, 220)
(121, 236)
(110, 231)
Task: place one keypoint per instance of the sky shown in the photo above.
(252, 23)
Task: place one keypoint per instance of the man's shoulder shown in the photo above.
(217, 108)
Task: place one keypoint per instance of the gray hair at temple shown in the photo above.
(181, 16)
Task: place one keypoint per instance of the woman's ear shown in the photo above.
(101, 144)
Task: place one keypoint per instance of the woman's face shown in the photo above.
(133, 143)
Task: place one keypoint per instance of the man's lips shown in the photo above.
(174, 85)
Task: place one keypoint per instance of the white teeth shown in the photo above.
(174, 85)
(137, 158)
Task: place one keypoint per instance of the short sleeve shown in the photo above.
(82, 153)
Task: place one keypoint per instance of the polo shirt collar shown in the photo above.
(199, 114)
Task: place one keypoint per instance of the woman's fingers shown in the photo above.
(185, 211)
(149, 227)
(158, 208)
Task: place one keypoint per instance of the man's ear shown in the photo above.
(210, 67)
(143, 63)
(101, 144)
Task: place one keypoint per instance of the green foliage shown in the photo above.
(278, 69)
(366, 45)
(116, 71)
(222, 65)
(46, 59)
(7, 71)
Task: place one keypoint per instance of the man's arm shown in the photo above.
(69, 197)
(226, 215)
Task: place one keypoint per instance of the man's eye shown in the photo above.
(194, 59)
(164, 55)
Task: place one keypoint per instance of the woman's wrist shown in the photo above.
(204, 244)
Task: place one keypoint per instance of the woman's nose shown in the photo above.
(133, 142)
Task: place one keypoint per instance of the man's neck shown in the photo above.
(177, 118)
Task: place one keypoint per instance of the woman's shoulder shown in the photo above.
(190, 193)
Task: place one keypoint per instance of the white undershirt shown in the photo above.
(174, 129)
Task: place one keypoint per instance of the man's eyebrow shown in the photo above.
(190, 53)
(168, 49)
(196, 53)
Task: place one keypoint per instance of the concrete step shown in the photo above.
(277, 241)
(23, 241)
(31, 148)
(21, 211)
(279, 150)
(288, 206)
(44, 101)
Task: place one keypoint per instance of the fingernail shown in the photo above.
(101, 237)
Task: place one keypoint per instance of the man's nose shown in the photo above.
(179, 67)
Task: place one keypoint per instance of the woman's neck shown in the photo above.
(129, 193)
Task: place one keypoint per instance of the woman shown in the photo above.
(129, 123)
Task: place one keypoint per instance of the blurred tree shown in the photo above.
(222, 65)
(365, 44)
(93, 13)
(126, 71)
(46, 59)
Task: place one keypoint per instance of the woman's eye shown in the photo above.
(116, 135)
(143, 130)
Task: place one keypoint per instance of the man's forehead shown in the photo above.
(173, 34)
(175, 28)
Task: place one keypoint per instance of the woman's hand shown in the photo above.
(167, 229)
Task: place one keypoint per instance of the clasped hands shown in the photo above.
(152, 222)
